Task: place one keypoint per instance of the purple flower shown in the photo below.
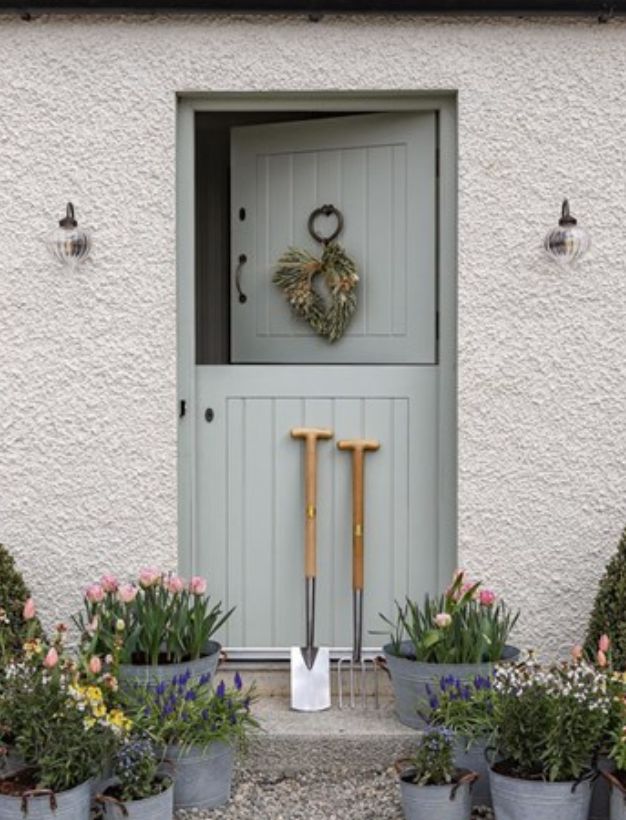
(221, 689)
(191, 695)
(205, 714)
(434, 702)
(160, 689)
(238, 682)
(204, 679)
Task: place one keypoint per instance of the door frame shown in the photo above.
(445, 105)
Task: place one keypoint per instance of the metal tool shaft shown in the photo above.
(309, 651)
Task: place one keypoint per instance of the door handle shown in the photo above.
(241, 262)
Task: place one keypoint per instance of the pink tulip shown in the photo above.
(175, 585)
(95, 665)
(577, 652)
(94, 593)
(443, 619)
(127, 593)
(197, 585)
(487, 597)
(149, 577)
(601, 659)
(92, 626)
(30, 610)
(109, 583)
(604, 644)
(51, 659)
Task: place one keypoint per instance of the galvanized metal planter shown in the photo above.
(474, 760)
(153, 675)
(43, 804)
(440, 802)
(600, 794)
(10, 763)
(617, 797)
(202, 776)
(409, 679)
(517, 799)
(158, 807)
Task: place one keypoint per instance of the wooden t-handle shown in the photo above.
(310, 436)
(359, 447)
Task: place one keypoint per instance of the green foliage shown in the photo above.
(464, 707)
(608, 615)
(464, 625)
(64, 737)
(432, 764)
(190, 712)
(14, 629)
(548, 722)
(158, 620)
(136, 766)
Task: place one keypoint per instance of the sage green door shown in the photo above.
(379, 381)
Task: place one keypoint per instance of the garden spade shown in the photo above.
(310, 665)
(355, 663)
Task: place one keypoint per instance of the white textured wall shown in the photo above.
(87, 361)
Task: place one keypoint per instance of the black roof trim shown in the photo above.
(599, 8)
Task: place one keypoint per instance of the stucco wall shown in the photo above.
(87, 360)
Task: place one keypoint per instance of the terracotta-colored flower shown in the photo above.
(197, 585)
(127, 593)
(30, 610)
(149, 577)
(443, 619)
(175, 585)
(577, 652)
(94, 593)
(51, 659)
(95, 665)
(604, 644)
(487, 597)
(109, 582)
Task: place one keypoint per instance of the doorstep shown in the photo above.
(353, 739)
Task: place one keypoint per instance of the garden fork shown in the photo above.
(356, 663)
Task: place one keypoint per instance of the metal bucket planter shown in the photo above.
(474, 760)
(617, 798)
(158, 807)
(202, 776)
(153, 675)
(410, 678)
(600, 794)
(517, 799)
(43, 804)
(452, 802)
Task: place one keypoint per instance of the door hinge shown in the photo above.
(182, 408)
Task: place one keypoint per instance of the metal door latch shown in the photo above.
(209, 415)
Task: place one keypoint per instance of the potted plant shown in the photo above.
(156, 627)
(465, 709)
(430, 784)
(199, 727)
(461, 633)
(139, 790)
(547, 723)
(62, 728)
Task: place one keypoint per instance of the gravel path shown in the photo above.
(308, 796)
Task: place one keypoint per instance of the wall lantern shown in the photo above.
(69, 243)
(568, 241)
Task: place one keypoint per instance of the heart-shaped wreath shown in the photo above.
(296, 271)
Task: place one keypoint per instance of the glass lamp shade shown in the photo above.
(69, 244)
(566, 243)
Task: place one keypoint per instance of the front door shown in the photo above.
(379, 381)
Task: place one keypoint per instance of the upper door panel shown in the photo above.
(379, 171)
